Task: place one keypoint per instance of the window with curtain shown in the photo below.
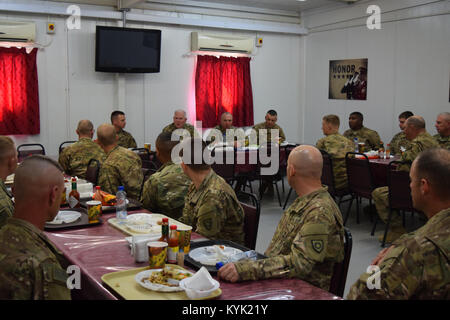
(223, 84)
(19, 97)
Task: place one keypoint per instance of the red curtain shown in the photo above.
(223, 84)
(19, 97)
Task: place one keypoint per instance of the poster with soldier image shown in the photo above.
(348, 79)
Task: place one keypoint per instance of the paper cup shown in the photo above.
(184, 238)
(148, 146)
(94, 208)
(157, 254)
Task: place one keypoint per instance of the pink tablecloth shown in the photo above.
(379, 169)
(103, 249)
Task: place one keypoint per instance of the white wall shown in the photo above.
(408, 64)
(70, 89)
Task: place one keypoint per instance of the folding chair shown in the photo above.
(143, 153)
(339, 277)
(28, 149)
(273, 179)
(251, 219)
(225, 169)
(146, 173)
(92, 171)
(64, 145)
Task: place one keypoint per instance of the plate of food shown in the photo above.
(143, 223)
(65, 217)
(210, 255)
(163, 280)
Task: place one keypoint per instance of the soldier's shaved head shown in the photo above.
(307, 161)
(416, 121)
(7, 147)
(85, 127)
(106, 134)
(164, 144)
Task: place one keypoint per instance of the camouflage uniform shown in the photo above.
(268, 138)
(122, 167)
(6, 204)
(337, 146)
(31, 268)
(308, 241)
(224, 133)
(165, 190)
(214, 210)
(444, 142)
(381, 195)
(417, 267)
(366, 135)
(398, 141)
(75, 158)
(126, 140)
(171, 128)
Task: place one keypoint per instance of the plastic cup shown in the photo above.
(148, 146)
(94, 209)
(157, 254)
(184, 238)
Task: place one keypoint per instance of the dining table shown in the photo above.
(379, 169)
(101, 249)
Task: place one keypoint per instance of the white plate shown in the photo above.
(65, 217)
(143, 223)
(209, 256)
(155, 286)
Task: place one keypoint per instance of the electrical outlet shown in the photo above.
(259, 42)
(50, 28)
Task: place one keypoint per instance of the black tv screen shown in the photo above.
(127, 50)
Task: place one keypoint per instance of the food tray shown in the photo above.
(156, 216)
(212, 269)
(132, 205)
(82, 222)
(123, 284)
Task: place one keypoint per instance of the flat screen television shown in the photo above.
(127, 50)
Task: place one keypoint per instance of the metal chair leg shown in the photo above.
(387, 228)
(278, 194)
(287, 198)
(357, 209)
(348, 210)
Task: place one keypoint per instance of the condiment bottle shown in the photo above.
(97, 195)
(74, 195)
(172, 249)
(165, 230)
(388, 151)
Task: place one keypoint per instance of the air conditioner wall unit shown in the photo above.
(16, 31)
(211, 42)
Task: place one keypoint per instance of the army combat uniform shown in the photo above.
(165, 190)
(381, 195)
(268, 137)
(122, 167)
(417, 266)
(6, 204)
(190, 128)
(337, 147)
(444, 142)
(126, 140)
(366, 135)
(31, 268)
(75, 158)
(231, 131)
(397, 142)
(214, 210)
(308, 241)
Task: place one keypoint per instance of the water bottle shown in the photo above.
(355, 141)
(247, 255)
(121, 205)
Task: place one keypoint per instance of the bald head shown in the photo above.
(416, 121)
(307, 162)
(106, 134)
(85, 128)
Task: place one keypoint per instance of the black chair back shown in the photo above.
(146, 173)
(92, 171)
(223, 167)
(359, 176)
(28, 149)
(399, 189)
(65, 144)
(327, 172)
(251, 217)
(142, 153)
(339, 277)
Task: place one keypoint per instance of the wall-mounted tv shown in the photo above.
(127, 50)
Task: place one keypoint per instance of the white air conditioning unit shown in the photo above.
(211, 42)
(15, 31)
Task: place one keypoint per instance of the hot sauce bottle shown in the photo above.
(172, 249)
(74, 195)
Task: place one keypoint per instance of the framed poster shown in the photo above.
(348, 79)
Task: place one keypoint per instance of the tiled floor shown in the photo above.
(365, 247)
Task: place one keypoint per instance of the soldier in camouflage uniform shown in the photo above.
(269, 125)
(443, 129)
(119, 122)
(309, 239)
(122, 167)
(337, 146)
(165, 190)
(179, 122)
(417, 265)
(399, 141)
(420, 141)
(370, 137)
(211, 206)
(8, 164)
(226, 125)
(31, 267)
(75, 158)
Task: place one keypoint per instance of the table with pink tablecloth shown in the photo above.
(102, 249)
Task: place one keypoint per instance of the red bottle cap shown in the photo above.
(173, 227)
(165, 219)
(97, 187)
